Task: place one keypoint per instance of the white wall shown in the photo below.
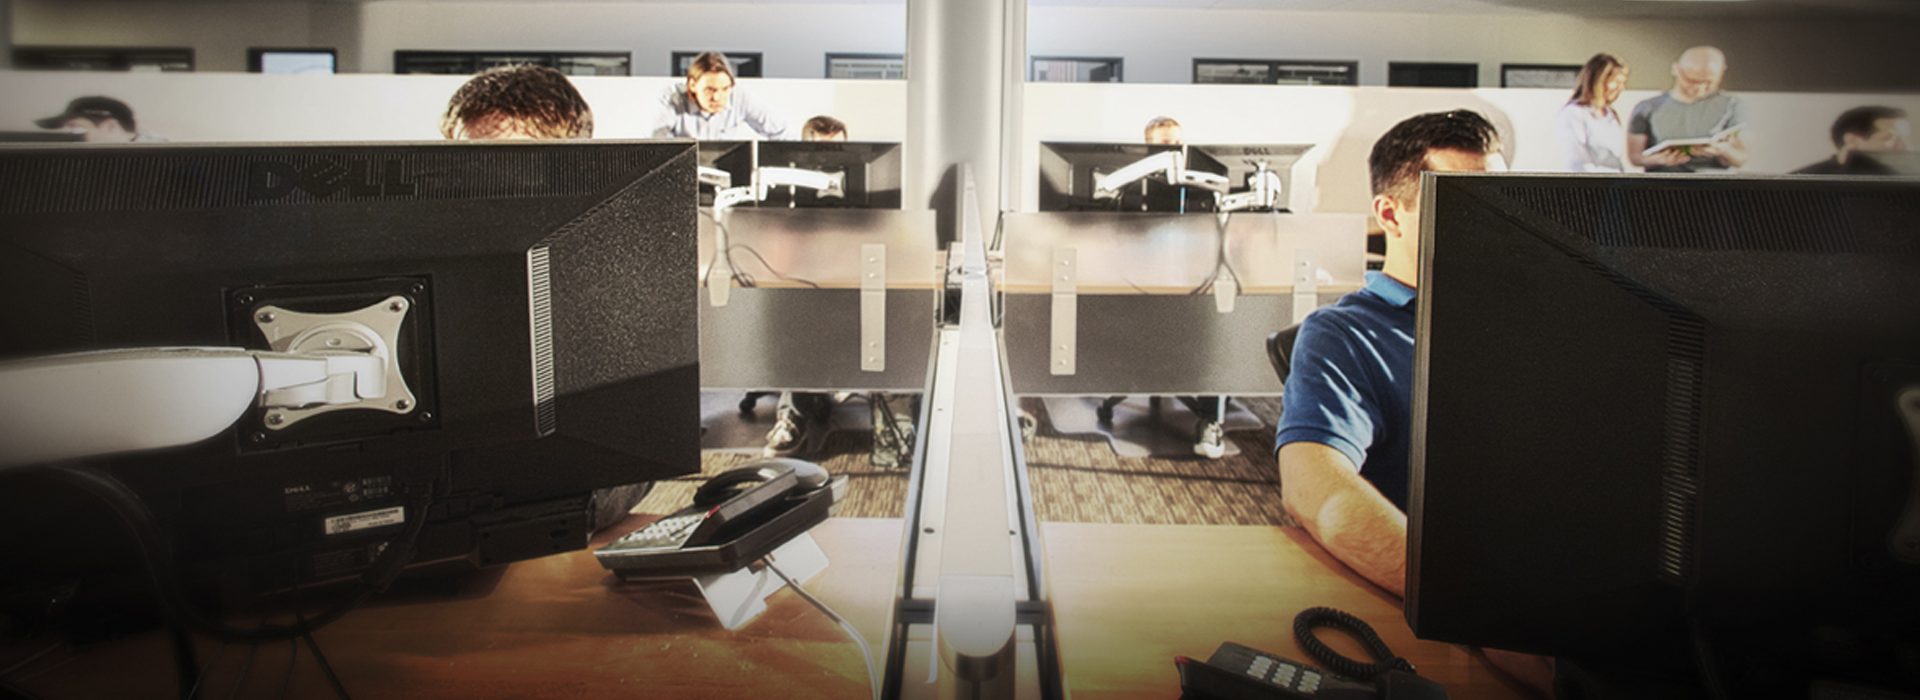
(1790, 129)
(218, 32)
(794, 38)
(1159, 44)
(252, 107)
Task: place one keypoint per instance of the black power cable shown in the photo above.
(1311, 619)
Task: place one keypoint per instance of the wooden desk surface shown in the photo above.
(1127, 599)
(559, 627)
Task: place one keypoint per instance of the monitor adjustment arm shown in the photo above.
(1171, 165)
(89, 404)
(1264, 191)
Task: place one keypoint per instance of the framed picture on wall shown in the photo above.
(1242, 71)
(309, 61)
(866, 66)
(1435, 75)
(1075, 69)
(119, 58)
(1539, 75)
(470, 62)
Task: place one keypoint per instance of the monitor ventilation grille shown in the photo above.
(1680, 453)
(1769, 219)
(540, 315)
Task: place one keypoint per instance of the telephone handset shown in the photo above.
(724, 507)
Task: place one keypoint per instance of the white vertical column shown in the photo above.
(965, 70)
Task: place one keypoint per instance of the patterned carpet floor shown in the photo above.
(1076, 478)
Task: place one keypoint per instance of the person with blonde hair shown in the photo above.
(707, 106)
(1590, 132)
(1164, 131)
(517, 102)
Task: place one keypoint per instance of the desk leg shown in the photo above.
(738, 597)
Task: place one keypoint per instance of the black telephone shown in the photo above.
(735, 516)
(1237, 672)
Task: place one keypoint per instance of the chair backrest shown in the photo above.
(1280, 350)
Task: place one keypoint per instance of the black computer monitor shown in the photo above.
(1648, 404)
(1068, 171)
(870, 172)
(41, 137)
(550, 340)
(735, 158)
(1239, 161)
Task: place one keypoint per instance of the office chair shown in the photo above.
(1280, 350)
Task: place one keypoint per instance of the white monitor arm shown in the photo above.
(90, 404)
(715, 177)
(1170, 164)
(1263, 192)
(100, 403)
(720, 276)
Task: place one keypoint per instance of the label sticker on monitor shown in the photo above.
(354, 522)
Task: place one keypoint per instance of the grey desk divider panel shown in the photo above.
(786, 334)
(1139, 326)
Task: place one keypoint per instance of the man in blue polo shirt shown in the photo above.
(1343, 435)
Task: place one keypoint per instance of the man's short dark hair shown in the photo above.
(1399, 156)
(1859, 121)
(535, 101)
(823, 126)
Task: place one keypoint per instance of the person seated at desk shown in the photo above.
(1164, 131)
(823, 128)
(526, 102)
(517, 102)
(706, 106)
(1345, 427)
(1694, 108)
(1864, 130)
(99, 120)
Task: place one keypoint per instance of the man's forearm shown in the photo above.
(1365, 532)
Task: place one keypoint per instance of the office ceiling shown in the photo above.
(1586, 8)
(1908, 9)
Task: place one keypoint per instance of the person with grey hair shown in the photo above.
(1695, 108)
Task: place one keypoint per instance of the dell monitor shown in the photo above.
(1068, 172)
(1655, 415)
(869, 173)
(1241, 161)
(543, 312)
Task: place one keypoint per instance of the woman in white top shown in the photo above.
(1592, 137)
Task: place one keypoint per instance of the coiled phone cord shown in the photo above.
(1311, 619)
